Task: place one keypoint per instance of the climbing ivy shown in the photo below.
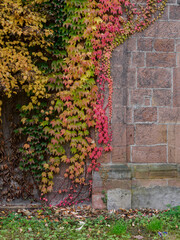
(79, 37)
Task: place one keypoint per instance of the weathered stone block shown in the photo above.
(163, 174)
(147, 101)
(176, 87)
(178, 59)
(148, 183)
(131, 44)
(131, 77)
(174, 13)
(164, 45)
(120, 96)
(120, 171)
(138, 59)
(156, 197)
(118, 198)
(178, 47)
(169, 115)
(161, 97)
(119, 134)
(119, 71)
(116, 183)
(137, 96)
(119, 155)
(150, 134)
(145, 114)
(128, 153)
(163, 29)
(119, 113)
(174, 182)
(97, 180)
(149, 154)
(153, 78)
(145, 44)
(161, 59)
(129, 134)
(97, 201)
(174, 143)
(129, 113)
(154, 171)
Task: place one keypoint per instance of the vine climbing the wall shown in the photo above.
(72, 71)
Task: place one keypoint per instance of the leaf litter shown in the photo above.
(80, 215)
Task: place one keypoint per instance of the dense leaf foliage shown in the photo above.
(63, 58)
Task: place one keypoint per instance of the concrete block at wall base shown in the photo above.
(118, 198)
(158, 197)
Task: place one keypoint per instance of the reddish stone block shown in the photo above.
(148, 183)
(119, 155)
(178, 47)
(129, 134)
(144, 44)
(153, 78)
(119, 96)
(147, 101)
(176, 87)
(161, 97)
(164, 45)
(178, 59)
(151, 134)
(119, 134)
(117, 56)
(119, 113)
(174, 144)
(128, 97)
(161, 59)
(131, 77)
(174, 183)
(138, 59)
(149, 154)
(129, 112)
(163, 29)
(169, 115)
(137, 96)
(131, 44)
(174, 13)
(116, 74)
(123, 184)
(97, 201)
(128, 154)
(97, 190)
(146, 114)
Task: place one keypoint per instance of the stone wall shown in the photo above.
(143, 170)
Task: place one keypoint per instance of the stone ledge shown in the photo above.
(155, 171)
(134, 170)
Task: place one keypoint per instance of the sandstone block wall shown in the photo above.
(146, 120)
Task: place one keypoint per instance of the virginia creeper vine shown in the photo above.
(59, 128)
